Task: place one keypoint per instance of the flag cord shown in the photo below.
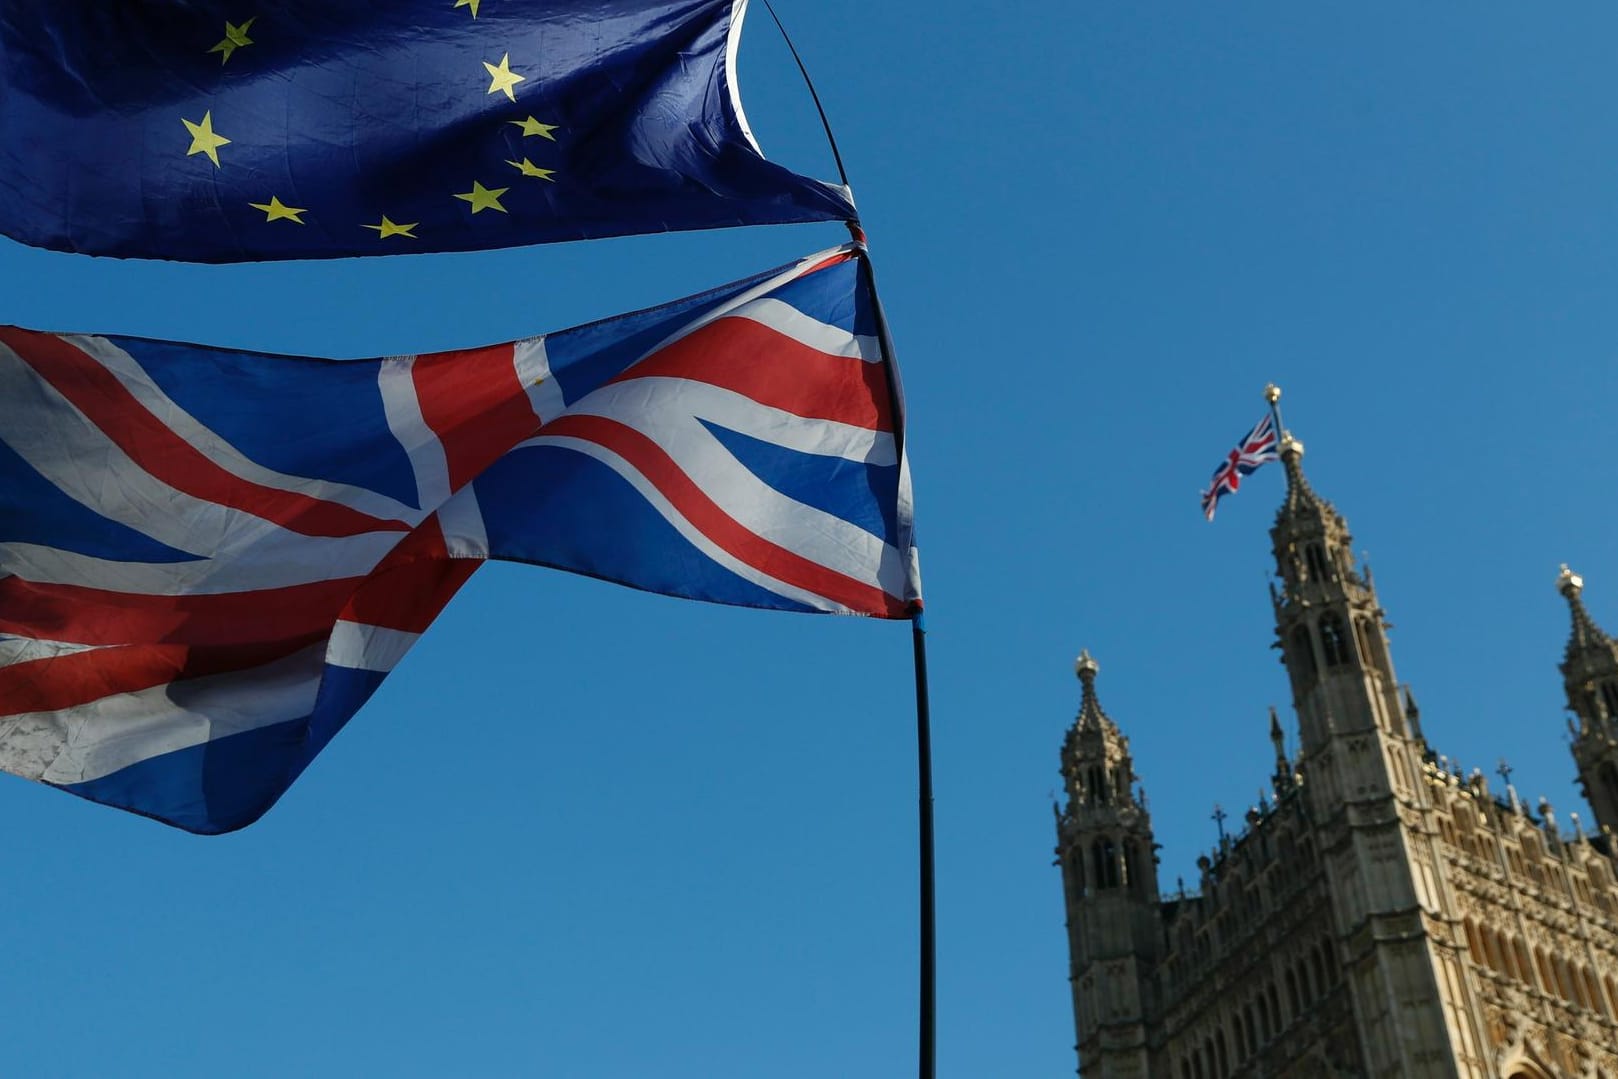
(810, 83)
(928, 1034)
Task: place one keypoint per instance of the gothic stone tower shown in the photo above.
(1590, 677)
(1383, 915)
(1109, 872)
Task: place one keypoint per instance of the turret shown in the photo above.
(1360, 760)
(1109, 875)
(1329, 625)
(1590, 679)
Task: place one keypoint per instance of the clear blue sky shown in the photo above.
(588, 832)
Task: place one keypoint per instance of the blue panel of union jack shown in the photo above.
(206, 131)
(209, 560)
(1256, 448)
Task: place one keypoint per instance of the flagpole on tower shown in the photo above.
(1272, 394)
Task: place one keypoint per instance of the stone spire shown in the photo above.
(1590, 662)
(1586, 637)
(1301, 498)
(1282, 779)
(1095, 755)
(1091, 717)
(1590, 680)
(1108, 858)
(1329, 624)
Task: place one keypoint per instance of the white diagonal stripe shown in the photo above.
(220, 452)
(692, 534)
(788, 321)
(419, 441)
(25, 649)
(812, 533)
(651, 401)
(76, 745)
(274, 560)
(63, 446)
(368, 648)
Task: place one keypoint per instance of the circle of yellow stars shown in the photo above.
(502, 80)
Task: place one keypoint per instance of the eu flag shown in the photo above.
(218, 131)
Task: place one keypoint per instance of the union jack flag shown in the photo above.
(209, 560)
(1257, 447)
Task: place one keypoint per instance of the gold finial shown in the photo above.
(1568, 581)
(1086, 665)
(1272, 393)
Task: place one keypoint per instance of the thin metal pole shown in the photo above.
(927, 994)
(924, 773)
(807, 81)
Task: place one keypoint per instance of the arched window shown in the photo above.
(1362, 633)
(1251, 1030)
(1098, 787)
(1132, 873)
(1224, 1058)
(1499, 958)
(1333, 645)
(1525, 969)
(1592, 992)
(1303, 654)
(1292, 993)
(1564, 982)
(1104, 863)
(1275, 1007)
(1609, 783)
(1317, 562)
(1609, 697)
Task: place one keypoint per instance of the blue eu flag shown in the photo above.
(223, 131)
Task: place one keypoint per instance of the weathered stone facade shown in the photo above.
(1384, 915)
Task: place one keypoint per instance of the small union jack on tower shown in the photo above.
(1258, 446)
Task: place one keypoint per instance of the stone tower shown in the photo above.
(1109, 870)
(1383, 913)
(1360, 761)
(1590, 677)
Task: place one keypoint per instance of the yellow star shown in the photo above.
(501, 77)
(532, 126)
(473, 4)
(274, 210)
(528, 168)
(482, 198)
(203, 139)
(235, 38)
(388, 228)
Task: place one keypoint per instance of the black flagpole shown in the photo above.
(928, 990)
(807, 81)
(927, 1004)
(924, 772)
